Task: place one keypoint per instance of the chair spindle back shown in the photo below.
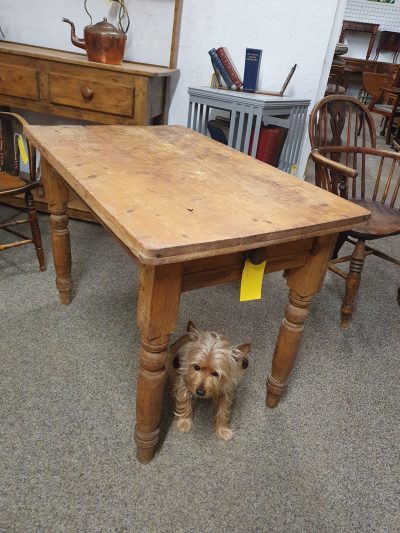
(341, 120)
(10, 122)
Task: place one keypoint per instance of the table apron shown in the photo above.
(229, 267)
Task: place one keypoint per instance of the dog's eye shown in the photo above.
(196, 367)
(215, 374)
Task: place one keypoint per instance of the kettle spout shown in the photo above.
(74, 39)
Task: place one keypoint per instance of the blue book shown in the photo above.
(220, 67)
(251, 69)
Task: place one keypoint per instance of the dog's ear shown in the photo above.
(191, 329)
(245, 349)
(176, 363)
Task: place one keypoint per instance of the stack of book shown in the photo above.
(270, 144)
(219, 129)
(270, 141)
(224, 68)
(226, 72)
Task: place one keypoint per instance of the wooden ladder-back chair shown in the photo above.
(372, 85)
(343, 141)
(387, 104)
(12, 184)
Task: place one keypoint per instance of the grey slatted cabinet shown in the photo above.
(247, 112)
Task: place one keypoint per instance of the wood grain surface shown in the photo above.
(38, 52)
(171, 194)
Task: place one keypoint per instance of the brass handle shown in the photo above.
(87, 93)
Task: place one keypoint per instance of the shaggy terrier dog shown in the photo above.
(204, 364)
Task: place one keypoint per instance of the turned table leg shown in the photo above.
(303, 282)
(158, 306)
(57, 197)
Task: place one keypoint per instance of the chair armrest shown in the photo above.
(333, 165)
(358, 150)
(14, 116)
(394, 90)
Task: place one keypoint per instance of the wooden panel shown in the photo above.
(216, 270)
(91, 95)
(362, 65)
(171, 194)
(19, 81)
(157, 97)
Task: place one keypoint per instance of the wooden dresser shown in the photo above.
(355, 67)
(66, 84)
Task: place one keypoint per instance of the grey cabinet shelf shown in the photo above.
(247, 113)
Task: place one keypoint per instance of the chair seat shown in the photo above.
(8, 181)
(11, 182)
(385, 109)
(331, 88)
(384, 221)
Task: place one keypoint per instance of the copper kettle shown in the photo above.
(103, 42)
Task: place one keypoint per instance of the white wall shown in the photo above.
(39, 22)
(288, 31)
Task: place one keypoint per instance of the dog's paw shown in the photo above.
(224, 433)
(184, 424)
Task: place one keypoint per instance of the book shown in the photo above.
(220, 67)
(219, 130)
(226, 59)
(270, 144)
(217, 74)
(251, 69)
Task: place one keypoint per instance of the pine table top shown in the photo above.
(170, 194)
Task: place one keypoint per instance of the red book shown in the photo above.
(226, 59)
(270, 144)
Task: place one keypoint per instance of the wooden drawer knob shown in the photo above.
(87, 93)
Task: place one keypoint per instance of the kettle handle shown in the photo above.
(87, 11)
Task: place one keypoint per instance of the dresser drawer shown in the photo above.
(19, 81)
(91, 95)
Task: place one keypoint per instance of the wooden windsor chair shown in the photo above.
(387, 104)
(13, 183)
(343, 140)
(372, 85)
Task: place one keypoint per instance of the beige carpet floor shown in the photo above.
(326, 460)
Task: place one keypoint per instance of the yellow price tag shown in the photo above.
(252, 277)
(22, 150)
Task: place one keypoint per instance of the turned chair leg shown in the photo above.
(383, 132)
(35, 229)
(389, 128)
(353, 281)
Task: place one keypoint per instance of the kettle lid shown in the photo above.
(105, 28)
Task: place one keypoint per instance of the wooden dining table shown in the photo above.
(190, 211)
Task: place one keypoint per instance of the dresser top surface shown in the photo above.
(62, 56)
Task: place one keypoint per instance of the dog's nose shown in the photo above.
(200, 391)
